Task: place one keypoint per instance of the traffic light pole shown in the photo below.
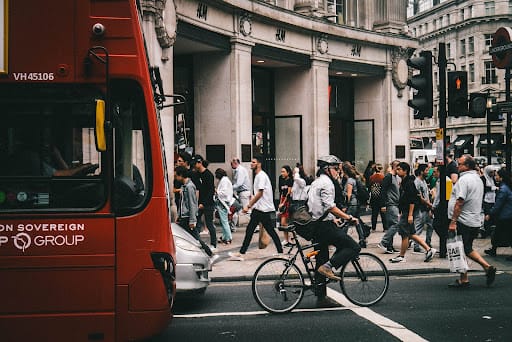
(443, 204)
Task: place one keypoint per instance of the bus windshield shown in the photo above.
(48, 151)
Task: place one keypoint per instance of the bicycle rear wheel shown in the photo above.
(277, 285)
(364, 280)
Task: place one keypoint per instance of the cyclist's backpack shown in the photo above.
(375, 192)
(362, 193)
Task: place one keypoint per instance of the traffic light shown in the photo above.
(494, 113)
(422, 100)
(457, 93)
(477, 105)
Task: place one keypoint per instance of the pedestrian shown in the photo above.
(188, 206)
(489, 198)
(224, 200)
(409, 199)
(285, 190)
(501, 214)
(464, 211)
(263, 209)
(324, 211)
(391, 196)
(301, 185)
(369, 171)
(206, 193)
(422, 211)
(376, 198)
(241, 182)
(451, 168)
(350, 195)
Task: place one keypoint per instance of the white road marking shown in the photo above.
(395, 329)
(255, 313)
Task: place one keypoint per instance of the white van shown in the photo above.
(422, 156)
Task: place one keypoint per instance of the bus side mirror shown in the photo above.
(99, 130)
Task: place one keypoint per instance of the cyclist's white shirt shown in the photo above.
(321, 197)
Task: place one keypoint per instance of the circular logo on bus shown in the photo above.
(22, 241)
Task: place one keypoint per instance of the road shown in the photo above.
(416, 308)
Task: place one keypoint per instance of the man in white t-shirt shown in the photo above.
(263, 209)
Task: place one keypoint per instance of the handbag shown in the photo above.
(456, 255)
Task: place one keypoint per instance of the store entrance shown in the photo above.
(263, 120)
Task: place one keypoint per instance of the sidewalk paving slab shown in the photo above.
(226, 268)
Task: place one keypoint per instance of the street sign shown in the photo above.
(501, 48)
(504, 107)
(439, 147)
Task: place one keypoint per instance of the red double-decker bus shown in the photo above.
(86, 247)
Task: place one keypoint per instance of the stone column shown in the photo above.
(316, 124)
(241, 95)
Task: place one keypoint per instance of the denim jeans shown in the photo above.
(392, 224)
(224, 222)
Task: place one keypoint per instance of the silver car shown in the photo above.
(192, 263)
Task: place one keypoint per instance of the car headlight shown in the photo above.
(186, 245)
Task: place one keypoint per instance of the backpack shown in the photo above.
(362, 193)
(375, 192)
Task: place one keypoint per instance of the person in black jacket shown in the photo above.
(409, 198)
(206, 192)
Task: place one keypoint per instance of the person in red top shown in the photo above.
(376, 198)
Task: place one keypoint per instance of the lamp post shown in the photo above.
(488, 142)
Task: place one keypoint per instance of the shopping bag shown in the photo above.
(264, 238)
(456, 256)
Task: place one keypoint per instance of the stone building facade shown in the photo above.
(288, 79)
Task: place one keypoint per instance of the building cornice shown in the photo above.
(266, 12)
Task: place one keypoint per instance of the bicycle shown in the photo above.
(278, 284)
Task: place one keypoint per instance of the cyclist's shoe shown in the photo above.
(397, 259)
(327, 271)
(430, 254)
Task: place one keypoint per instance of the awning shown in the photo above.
(463, 142)
(496, 140)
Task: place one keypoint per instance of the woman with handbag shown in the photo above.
(501, 213)
(224, 199)
(285, 190)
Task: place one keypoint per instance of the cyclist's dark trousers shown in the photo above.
(184, 222)
(327, 233)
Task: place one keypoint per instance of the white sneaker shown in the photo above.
(284, 242)
(213, 248)
(430, 254)
(381, 246)
(236, 256)
(397, 259)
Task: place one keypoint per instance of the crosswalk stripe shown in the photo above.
(385, 323)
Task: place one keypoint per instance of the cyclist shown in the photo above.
(324, 212)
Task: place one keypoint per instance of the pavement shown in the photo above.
(226, 268)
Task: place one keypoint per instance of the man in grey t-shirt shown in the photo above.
(464, 211)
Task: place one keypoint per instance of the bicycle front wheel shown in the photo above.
(278, 285)
(364, 280)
